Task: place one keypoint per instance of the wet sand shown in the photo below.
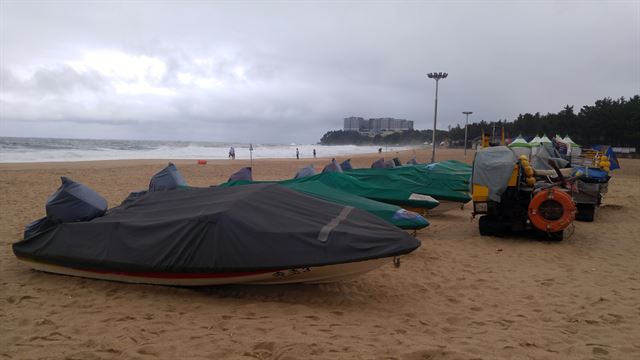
(459, 296)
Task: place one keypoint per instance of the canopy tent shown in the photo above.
(535, 144)
(520, 146)
(575, 149)
(545, 140)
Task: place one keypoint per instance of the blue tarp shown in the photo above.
(585, 172)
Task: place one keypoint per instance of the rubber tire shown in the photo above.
(586, 212)
(556, 236)
(490, 226)
(485, 225)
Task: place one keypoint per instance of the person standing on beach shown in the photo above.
(314, 153)
(232, 153)
(297, 154)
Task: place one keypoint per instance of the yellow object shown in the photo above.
(513, 180)
(523, 157)
(528, 171)
(480, 193)
(531, 181)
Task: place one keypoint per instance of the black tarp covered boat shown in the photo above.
(260, 233)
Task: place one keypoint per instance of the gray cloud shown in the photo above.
(288, 72)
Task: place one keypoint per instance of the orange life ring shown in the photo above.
(545, 216)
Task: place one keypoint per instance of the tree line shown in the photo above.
(608, 121)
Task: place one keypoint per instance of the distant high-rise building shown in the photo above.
(376, 125)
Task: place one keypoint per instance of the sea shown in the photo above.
(22, 149)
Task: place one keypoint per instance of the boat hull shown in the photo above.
(445, 206)
(315, 274)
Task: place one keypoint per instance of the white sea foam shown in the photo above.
(14, 150)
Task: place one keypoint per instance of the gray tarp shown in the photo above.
(242, 174)
(333, 166)
(305, 171)
(492, 167)
(168, 178)
(545, 153)
(378, 164)
(346, 165)
(214, 230)
(74, 202)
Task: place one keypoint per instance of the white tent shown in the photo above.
(535, 144)
(520, 146)
(545, 140)
(576, 150)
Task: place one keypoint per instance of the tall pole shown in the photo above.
(466, 123)
(437, 77)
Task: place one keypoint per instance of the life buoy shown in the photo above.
(551, 210)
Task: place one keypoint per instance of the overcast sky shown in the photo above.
(286, 72)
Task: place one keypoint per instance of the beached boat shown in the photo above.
(257, 234)
(449, 189)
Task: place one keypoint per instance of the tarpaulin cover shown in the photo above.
(587, 173)
(391, 213)
(441, 186)
(305, 171)
(412, 161)
(389, 164)
(168, 178)
(74, 202)
(391, 195)
(333, 166)
(547, 152)
(213, 230)
(451, 167)
(378, 164)
(492, 167)
(242, 174)
(346, 165)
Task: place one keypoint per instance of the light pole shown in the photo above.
(437, 77)
(465, 130)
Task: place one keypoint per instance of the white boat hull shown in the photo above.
(445, 205)
(316, 274)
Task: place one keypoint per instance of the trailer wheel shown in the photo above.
(586, 212)
(556, 236)
(485, 225)
(490, 226)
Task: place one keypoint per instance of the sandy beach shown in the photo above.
(459, 296)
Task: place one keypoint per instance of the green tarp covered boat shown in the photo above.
(417, 179)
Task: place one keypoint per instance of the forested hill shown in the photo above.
(608, 121)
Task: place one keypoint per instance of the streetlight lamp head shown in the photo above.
(467, 112)
(430, 75)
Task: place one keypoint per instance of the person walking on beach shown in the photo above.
(232, 153)
(297, 154)
(314, 153)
